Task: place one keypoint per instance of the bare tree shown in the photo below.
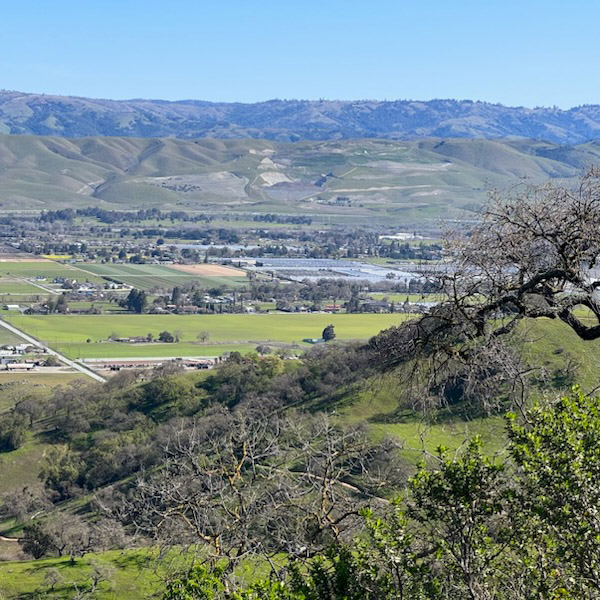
(61, 535)
(531, 255)
(241, 484)
(203, 336)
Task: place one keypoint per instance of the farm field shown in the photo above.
(117, 350)
(158, 276)
(209, 270)
(44, 268)
(7, 337)
(69, 333)
(18, 287)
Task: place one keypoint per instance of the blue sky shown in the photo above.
(519, 53)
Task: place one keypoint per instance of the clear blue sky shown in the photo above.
(525, 52)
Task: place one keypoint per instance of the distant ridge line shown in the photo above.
(293, 120)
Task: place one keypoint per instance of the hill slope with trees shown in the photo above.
(292, 120)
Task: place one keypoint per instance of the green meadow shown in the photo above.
(11, 286)
(69, 333)
(132, 575)
(40, 268)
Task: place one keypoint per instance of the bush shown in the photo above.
(13, 431)
(166, 336)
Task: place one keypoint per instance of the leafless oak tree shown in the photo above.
(241, 483)
(531, 255)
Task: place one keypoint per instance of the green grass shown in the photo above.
(547, 344)
(134, 576)
(69, 333)
(9, 285)
(21, 467)
(7, 337)
(14, 386)
(376, 404)
(101, 305)
(47, 269)
(41, 379)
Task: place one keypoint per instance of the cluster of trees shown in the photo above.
(116, 216)
(136, 301)
(469, 526)
(283, 219)
(406, 251)
(327, 291)
(249, 481)
(57, 304)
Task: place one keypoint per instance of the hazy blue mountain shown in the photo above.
(292, 120)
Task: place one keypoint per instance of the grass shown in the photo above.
(9, 285)
(101, 305)
(47, 269)
(550, 343)
(133, 576)
(21, 467)
(7, 337)
(41, 379)
(547, 345)
(377, 404)
(69, 333)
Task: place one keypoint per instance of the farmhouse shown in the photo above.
(132, 340)
(375, 306)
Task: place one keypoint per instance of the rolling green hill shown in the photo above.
(345, 181)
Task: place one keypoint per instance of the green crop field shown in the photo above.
(7, 337)
(148, 277)
(69, 333)
(12, 286)
(47, 269)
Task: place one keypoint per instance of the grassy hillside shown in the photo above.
(130, 574)
(69, 116)
(373, 402)
(385, 181)
(547, 346)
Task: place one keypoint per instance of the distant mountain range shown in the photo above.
(292, 120)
